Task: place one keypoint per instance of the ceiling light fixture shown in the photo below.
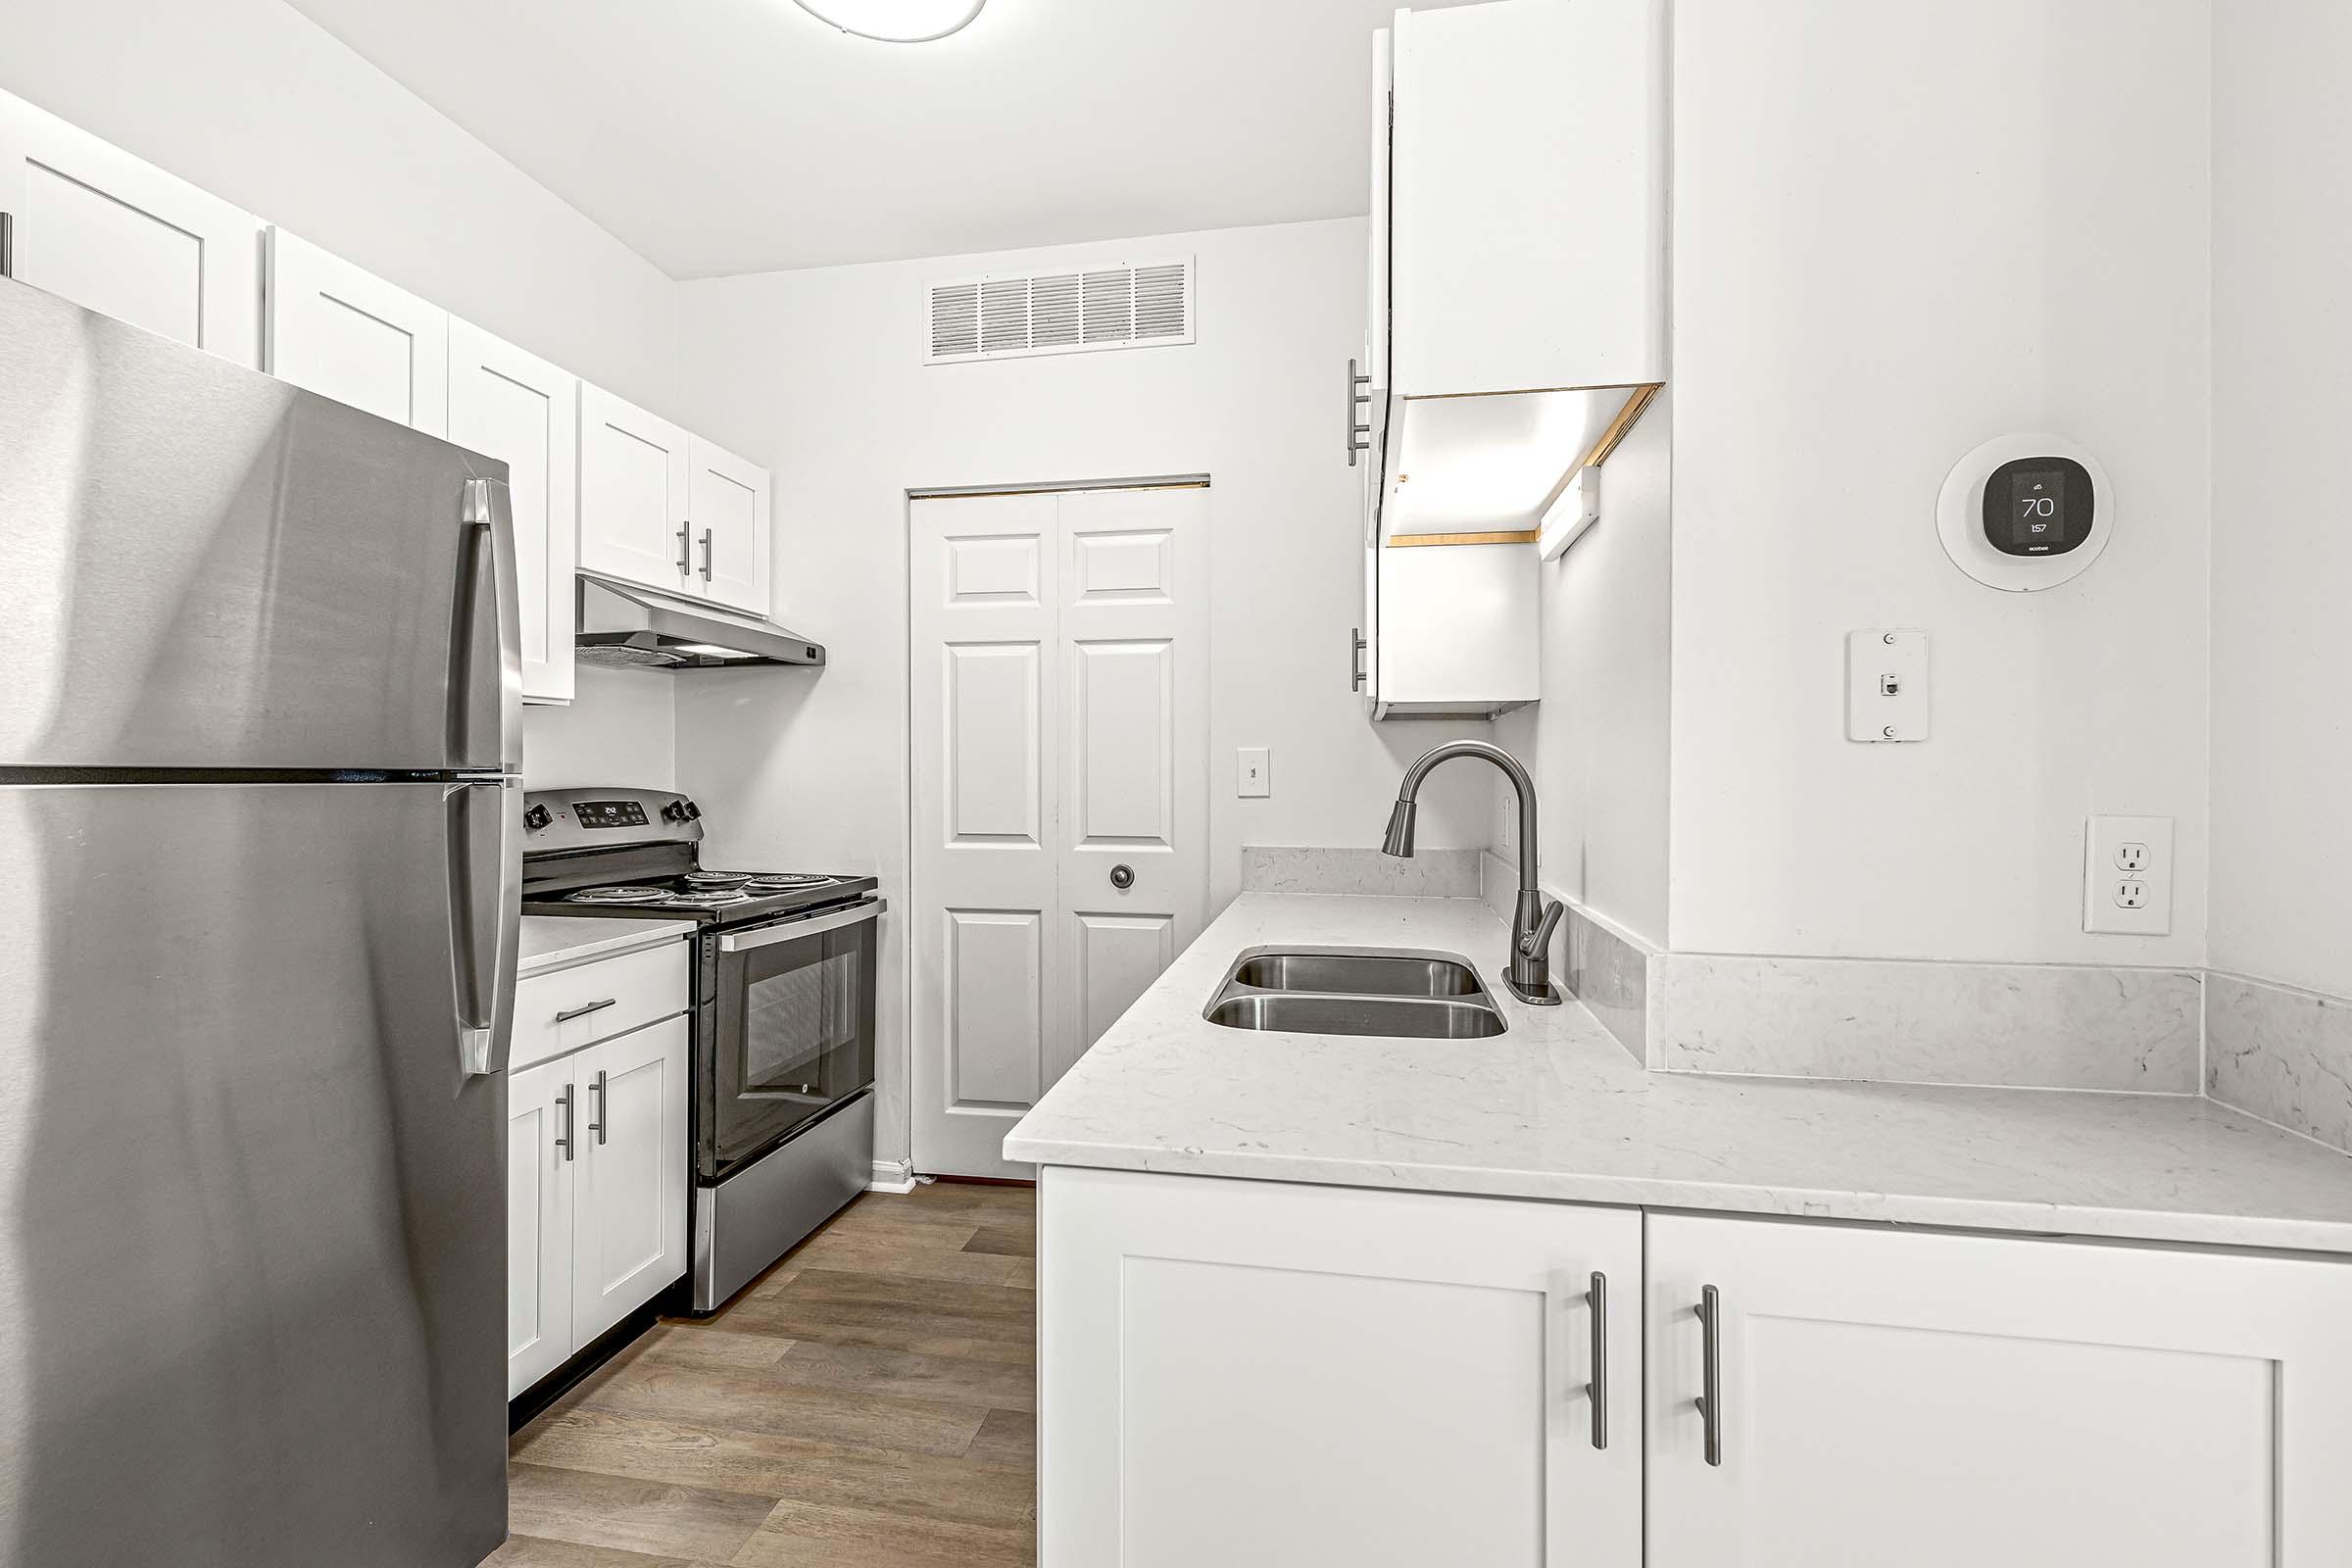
(895, 20)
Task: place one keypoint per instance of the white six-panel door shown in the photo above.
(1059, 669)
(117, 236)
(1953, 1402)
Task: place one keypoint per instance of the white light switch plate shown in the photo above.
(1255, 779)
(2128, 876)
(1886, 686)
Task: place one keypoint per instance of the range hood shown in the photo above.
(624, 626)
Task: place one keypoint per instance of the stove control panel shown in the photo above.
(607, 818)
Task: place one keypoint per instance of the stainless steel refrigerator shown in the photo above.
(259, 693)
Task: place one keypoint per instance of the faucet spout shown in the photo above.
(1531, 923)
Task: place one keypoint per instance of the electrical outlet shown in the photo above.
(1256, 779)
(2128, 876)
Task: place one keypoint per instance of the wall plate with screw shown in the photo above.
(2128, 876)
(1886, 686)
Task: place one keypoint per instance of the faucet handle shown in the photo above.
(1537, 942)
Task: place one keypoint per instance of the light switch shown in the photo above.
(1255, 780)
(1886, 686)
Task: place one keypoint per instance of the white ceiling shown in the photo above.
(722, 136)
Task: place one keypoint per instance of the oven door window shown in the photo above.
(795, 1038)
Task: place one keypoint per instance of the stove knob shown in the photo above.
(537, 817)
(681, 811)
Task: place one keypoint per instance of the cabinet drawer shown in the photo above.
(605, 998)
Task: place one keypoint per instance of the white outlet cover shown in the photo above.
(1254, 779)
(2128, 876)
(1886, 686)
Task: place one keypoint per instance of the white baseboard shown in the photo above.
(892, 1176)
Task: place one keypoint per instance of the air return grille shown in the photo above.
(1131, 305)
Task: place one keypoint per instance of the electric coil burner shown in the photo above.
(783, 1015)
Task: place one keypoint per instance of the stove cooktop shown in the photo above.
(722, 897)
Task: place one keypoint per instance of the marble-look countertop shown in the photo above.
(1556, 1109)
(557, 942)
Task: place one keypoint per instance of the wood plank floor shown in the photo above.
(869, 1403)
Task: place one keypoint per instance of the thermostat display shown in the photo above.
(2023, 513)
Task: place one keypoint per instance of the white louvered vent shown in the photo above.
(1128, 306)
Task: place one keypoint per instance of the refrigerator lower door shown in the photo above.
(252, 1196)
(206, 567)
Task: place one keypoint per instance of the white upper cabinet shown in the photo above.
(93, 224)
(634, 483)
(348, 335)
(512, 406)
(1518, 309)
(1948, 1401)
(727, 509)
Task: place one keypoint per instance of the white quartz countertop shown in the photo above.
(557, 942)
(1556, 1109)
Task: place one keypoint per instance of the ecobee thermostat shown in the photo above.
(2023, 513)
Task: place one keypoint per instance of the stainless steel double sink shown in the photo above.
(1391, 991)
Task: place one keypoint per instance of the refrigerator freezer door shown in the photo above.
(205, 567)
(252, 1201)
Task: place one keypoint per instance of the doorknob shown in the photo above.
(1122, 876)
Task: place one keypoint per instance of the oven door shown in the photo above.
(794, 1030)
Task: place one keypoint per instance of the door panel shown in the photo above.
(1368, 1378)
(539, 1194)
(2043, 1403)
(347, 334)
(110, 232)
(255, 1247)
(630, 1222)
(634, 484)
(206, 567)
(524, 411)
(987, 788)
(727, 508)
(1060, 724)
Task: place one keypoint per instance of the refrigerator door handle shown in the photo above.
(486, 881)
(490, 739)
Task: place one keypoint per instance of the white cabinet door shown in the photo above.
(93, 224)
(1952, 1401)
(512, 406)
(348, 335)
(728, 510)
(540, 1103)
(1255, 1374)
(630, 1227)
(634, 483)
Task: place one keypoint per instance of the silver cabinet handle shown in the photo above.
(1356, 429)
(1710, 1404)
(1598, 1299)
(8, 244)
(706, 555)
(1356, 658)
(598, 1126)
(570, 1014)
(564, 1103)
(685, 556)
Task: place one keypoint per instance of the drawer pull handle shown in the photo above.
(570, 1014)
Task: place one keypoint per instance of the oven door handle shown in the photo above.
(806, 925)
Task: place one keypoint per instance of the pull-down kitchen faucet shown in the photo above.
(1530, 978)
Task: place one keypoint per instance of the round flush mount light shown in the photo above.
(895, 20)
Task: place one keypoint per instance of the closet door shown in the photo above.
(93, 224)
(512, 406)
(347, 334)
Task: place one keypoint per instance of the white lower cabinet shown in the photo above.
(1941, 1400)
(596, 1193)
(1250, 1373)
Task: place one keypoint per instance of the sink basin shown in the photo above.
(1395, 992)
(1364, 974)
(1398, 1017)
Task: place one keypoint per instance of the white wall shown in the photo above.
(1899, 230)
(818, 374)
(620, 728)
(1597, 743)
(2281, 541)
(252, 100)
